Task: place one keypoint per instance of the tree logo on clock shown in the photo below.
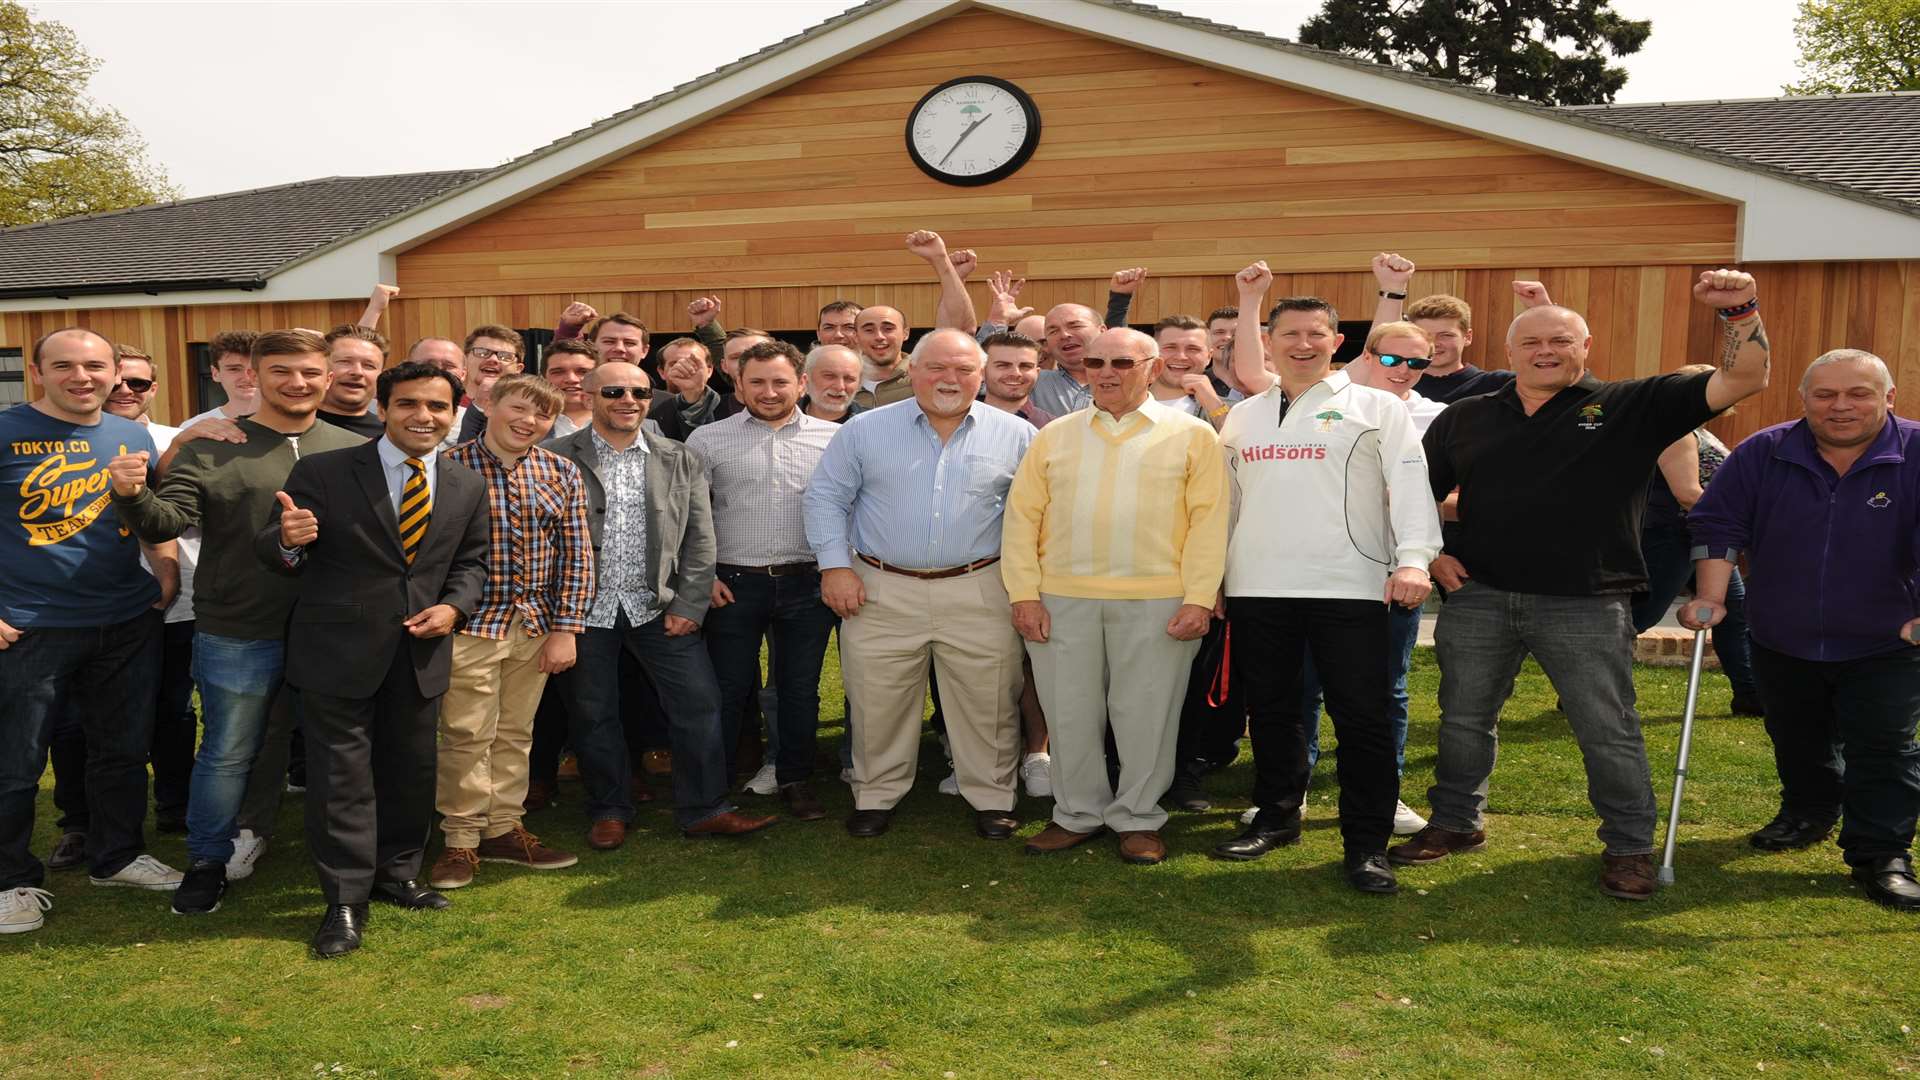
(973, 130)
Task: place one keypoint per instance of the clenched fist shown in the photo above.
(1392, 271)
(1724, 288)
(1255, 280)
(927, 244)
(298, 527)
(703, 310)
(1127, 282)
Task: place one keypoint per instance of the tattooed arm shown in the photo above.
(1744, 355)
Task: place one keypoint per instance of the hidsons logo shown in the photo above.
(1273, 452)
(50, 496)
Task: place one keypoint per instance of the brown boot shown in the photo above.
(1434, 843)
(607, 835)
(524, 849)
(657, 762)
(1058, 838)
(454, 869)
(1629, 877)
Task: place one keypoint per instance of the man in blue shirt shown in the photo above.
(903, 516)
(1827, 509)
(79, 623)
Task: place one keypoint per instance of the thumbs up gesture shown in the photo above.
(128, 472)
(298, 527)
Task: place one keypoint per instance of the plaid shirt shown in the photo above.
(539, 551)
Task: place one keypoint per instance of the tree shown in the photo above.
(1857, 46)
(61, 153)
(1550, 51)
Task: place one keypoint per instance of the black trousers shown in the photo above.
(1843, 739)
(176, 729)
(1210, 734)
(1348, 642)
(370, 782)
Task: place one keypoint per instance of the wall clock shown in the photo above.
(973, 130)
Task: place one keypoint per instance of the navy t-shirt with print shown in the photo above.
(65, 560)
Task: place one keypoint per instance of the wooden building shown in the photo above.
(785, 180)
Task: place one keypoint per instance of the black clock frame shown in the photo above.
(1020, 156)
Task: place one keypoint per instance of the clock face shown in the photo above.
(973, 130)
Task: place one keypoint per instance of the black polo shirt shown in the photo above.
(1467, 382)
(1551, 503)
(367, 423)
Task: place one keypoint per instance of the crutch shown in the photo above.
(1665, 876)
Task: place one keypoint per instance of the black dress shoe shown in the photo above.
(1789, 832)
(1369, 872)
(869, 822)
(409, 894)
(1889, 880)
(1268, 831)
(1185, 793)
(1747, 705)
(995, 824)
(340, 930)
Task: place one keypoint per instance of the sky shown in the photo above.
(231, 96)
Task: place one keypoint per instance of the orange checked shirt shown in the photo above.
(539, 551)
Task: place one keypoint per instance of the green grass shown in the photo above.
(928, 952)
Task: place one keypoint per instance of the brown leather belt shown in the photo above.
(778, 570)
(929, 575)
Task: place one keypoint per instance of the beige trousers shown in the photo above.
(966, 625)
(486, 733)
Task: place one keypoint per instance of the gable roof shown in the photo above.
(235, 241)
(1865, 142)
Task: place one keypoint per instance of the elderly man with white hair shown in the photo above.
(1827, 509)
(1552, 470)
(904, 516)
(832, 377)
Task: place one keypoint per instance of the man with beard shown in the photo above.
(355, 356)
(881, 332)
(833, 377)
(1013, 363)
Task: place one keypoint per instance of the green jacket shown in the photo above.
(227, 489)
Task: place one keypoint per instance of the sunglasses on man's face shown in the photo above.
(138, 386)
(1118, 363)
(615, 393)
(1414, 363)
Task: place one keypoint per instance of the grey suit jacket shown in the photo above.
(680, 540)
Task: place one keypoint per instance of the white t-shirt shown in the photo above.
(218, 411)
(1423, 410)
(1330, 493)
(181, 609)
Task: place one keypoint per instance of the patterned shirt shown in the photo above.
(539, 550)
(759, 475)
(623, 538)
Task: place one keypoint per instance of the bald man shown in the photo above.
(1070, 328)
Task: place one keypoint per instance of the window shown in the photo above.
(207, 394)
(13, 378)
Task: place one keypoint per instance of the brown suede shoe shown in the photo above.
(801, 802)
(1144, 848)
(607, 835)
(453, 869)
(1434, 843)
(1629, 877)
(539, 796)
(522, 848)
(731, 823)
(657, 762)
(1059, 838)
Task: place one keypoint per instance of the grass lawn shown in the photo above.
(930, 953)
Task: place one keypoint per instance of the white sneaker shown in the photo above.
(144, 872)
(763, 782)
(951, 785)
(1405, 821)
(1036, 775)
(247, 849)
(24, 909)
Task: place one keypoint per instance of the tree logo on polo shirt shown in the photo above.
(1880, 501)
(1329, 418)
(1591, 417)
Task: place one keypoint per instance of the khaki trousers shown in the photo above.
(1110, 662)
(966, 625)
(486, 733)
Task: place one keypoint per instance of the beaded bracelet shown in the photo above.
(1740, 311)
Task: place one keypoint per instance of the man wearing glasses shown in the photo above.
(492, 352)
(1113, 610)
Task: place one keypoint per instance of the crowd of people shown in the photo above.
(422, 586)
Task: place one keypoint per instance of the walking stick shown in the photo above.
(1665, 876)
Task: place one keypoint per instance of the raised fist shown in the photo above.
(964, 261)
(578, 314)
(1255, 280)
(1392, 271)
(927, 244)
(1531, 293)
(703, 310)
(128, 472)
(1724, 288)
(1126, 281)
(298, 527)
(382, 294)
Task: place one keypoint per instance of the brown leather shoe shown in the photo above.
(453, 869)
(801, 802)
(522, 848)
(607, 835)
(731, 823)
(640, 789)
(1143, 847)
(1629, 877)
(1059, 838)
(569, 769)
(539, 796)
(657, 762)
(1434, 843)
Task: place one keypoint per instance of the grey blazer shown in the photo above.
(680, 541)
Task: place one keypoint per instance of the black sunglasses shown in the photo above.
(1415, 363)
(138, 386)
(1119, 363)
(615, 393)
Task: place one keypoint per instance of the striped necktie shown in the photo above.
(416, 508)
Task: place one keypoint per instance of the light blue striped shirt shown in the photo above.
(889, 489)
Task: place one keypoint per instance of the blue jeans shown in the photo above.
(238, 680)
(789, 611)
(106, 677)
(689, 696)
(1585, 645)
(1403, 630)
(1669, 556)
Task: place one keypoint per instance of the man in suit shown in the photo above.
(389, 541)
(654, 551)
